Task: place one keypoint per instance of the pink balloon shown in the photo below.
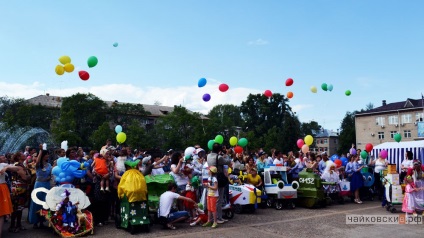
(305, 148)
(223, 87)
(383, 154)
(268, 93)
(300, 143)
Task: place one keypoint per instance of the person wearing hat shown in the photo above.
(212, 199)
(254, 179)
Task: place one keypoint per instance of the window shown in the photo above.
(393, 120)
(407, 133)
(406, 118)
(335, 141)
(392, 134)
(419, 116)
(380, 121)
(381, 135)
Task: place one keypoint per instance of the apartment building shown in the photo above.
(380, 124)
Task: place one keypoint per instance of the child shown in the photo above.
(188, 168)
(201, 216)
(190, 193)
(408, 205)
(101, 168)
(213, 195)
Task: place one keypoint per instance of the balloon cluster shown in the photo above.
(207, 97)
(305, 143)
(238, 144)
(66, 170)
(66, 65)
(121, 137)
(69, 68)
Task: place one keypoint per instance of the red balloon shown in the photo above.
(289, 82)
(223, 87)
(338, 163)
(238, 149)
(84, 75)
(368, 147)
(300, 143)
(268, 93)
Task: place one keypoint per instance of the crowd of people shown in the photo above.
(24, 171)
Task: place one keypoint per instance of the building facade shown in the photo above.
(325, 141)
(381, 124)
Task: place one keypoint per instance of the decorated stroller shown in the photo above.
(132, 192)
(156, 185)
(367, 191)
(393, 191)
(64, 210)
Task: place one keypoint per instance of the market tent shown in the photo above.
(396, 151)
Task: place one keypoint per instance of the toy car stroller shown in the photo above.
(64, 210)
(277, 192)
(134, 209)
(367, 191)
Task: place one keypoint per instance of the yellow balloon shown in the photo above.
(65, 59)
(69, 67)
(308, 140)
(59, 70)
(314, 89)
(121, 137)
(233, 141)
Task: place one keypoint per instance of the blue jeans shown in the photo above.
(175, 215)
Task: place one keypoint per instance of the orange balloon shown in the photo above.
(289, 94)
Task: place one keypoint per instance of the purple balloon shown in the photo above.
(383, 154)
(352, 151)
(206, 97)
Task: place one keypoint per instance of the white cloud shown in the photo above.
(300, 107)
(187, 96)
(258, 42)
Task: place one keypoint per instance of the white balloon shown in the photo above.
(189, 151)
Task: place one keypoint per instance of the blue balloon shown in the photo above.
(56, 170)
(334, 157)
(69, 178)
(344, 161)
(118, 129)
(206, 97)
(61, 160)
(201, 83)
(86, 165)
(57, 179)
(62, 180)
(79, 173)
(62, 175)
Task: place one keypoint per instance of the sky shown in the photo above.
(375, 49)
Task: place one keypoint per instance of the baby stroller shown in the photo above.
(64, 209)
(156, 185)
(392, 190)
(134, 210)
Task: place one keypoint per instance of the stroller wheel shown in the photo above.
(229, 213)
(237, 208)
(387, 207)
(278, 205)
(393, 210)
(269, 203)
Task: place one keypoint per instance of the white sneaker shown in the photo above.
(193, 223)
(220, 221)
(226, 206)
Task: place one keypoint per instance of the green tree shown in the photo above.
(99, 136)
(137, 136)
(223, 120)
(273, 116)
(179, 129)
(347, 134)
(308, 128)
(80, 116)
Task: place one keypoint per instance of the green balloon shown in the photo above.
(219, 139)
(348, 92)
(398, 137)
(364, 154)
(242, 142)
(324, 86)
(210, 144)
(92, 61)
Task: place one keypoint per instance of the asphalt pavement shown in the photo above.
(299, 222)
